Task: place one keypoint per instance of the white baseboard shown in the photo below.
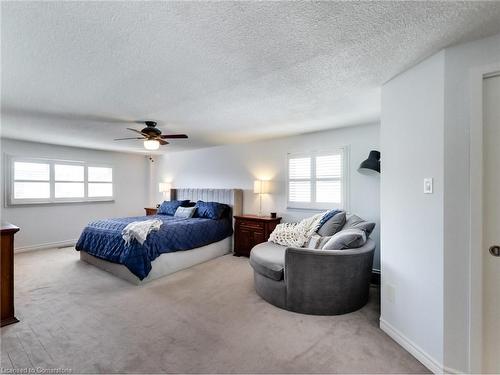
(45, 246)
(412, 348)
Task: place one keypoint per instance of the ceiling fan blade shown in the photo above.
(162, 142)
(122, 139)
(137, 131)
(173, 136)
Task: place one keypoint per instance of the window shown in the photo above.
(317, 180)
(31, 180)
(100, 182)
(69, 181)
(54, 181)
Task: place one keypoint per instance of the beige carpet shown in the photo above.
(207, 319)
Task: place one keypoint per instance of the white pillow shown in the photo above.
(184, 212)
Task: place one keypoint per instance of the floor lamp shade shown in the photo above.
(372, 163)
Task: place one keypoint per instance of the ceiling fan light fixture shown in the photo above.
(151, 136)
(151, 144)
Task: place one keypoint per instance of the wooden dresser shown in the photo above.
(250, 230)
(7, 268)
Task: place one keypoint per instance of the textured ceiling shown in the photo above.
(79, 73)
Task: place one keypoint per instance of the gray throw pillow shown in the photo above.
(346, 239)
(185, 212)
(355, 221)
(333, 225)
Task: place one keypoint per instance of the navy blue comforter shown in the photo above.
(103, 239)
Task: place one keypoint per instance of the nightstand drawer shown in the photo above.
(251, 224)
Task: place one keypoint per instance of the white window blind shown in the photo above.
(31, 180)
(299, 170)
(328, 178)
(100, 182)
(53, 181)
(317, 180)
(69, 181)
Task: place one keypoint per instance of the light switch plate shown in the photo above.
(428, 185)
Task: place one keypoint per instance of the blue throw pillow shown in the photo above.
(169, 207)
(327, 217)
(210, 210)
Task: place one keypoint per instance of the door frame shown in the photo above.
(476, 251)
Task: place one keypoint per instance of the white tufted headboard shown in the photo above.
(231, 197)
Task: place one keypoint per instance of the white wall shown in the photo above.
(411, 142)
(62, 223)
(429, 121)
(462, 87)
(237, 166)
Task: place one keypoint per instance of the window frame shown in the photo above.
(10, 181)
(344, 180)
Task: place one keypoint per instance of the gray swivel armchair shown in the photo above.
(309, 281)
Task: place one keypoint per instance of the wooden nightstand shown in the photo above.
(151, 211)
(250, 230)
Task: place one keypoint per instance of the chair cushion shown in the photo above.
(355, 221)
(346, 239)
(327, 216)
(268, 259)
(332, 225)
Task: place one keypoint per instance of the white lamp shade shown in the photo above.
(164, 187)
(151, 144)
(257, 186)
(260, 187)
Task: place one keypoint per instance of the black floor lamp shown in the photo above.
(372, 164)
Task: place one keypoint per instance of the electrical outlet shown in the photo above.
(428, 185)
(391, 293)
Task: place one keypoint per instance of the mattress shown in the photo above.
(102, 239)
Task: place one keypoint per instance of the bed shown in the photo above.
(187, 242)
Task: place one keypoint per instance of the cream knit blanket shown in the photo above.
(296, 234)
(140, 230)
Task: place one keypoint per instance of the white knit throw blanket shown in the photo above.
(140, 230)
(296, 234)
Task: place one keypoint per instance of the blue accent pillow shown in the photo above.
(328, 216)
(210, 210)
(169, 207)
